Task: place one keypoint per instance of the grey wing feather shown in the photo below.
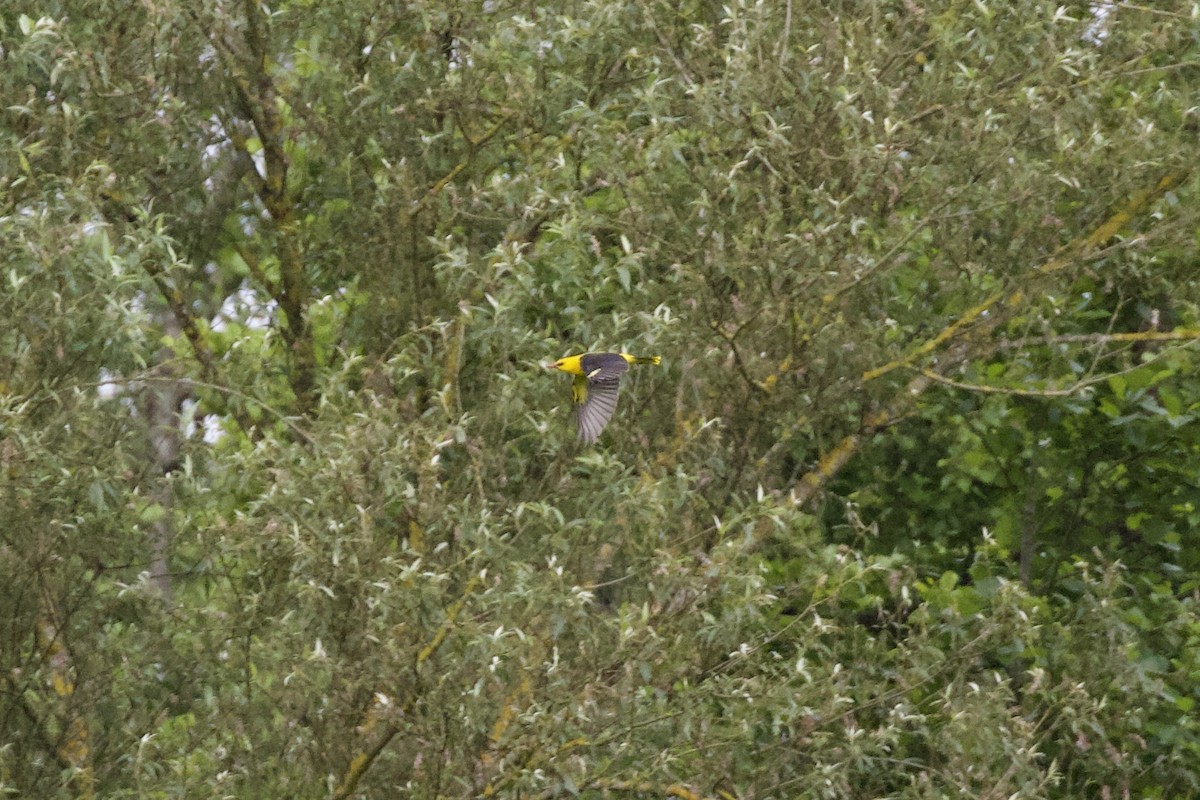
(603, 366)
(595, 412)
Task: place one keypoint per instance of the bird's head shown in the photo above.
(570, 365)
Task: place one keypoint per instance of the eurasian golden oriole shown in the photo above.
(594, 390)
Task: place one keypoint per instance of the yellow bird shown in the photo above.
(594, 390)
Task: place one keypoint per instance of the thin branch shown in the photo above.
(182, 313)
(985, 389)
(451, 618)
(256, 271)
(1072, 252)
(895, 249)
(677, 790)
(1179, 334)
(731, 340)
(832, 462)
(1079, 385)
(684, 72)
(288, 420)
(1150, 10)
(363, 760)
(472, 146)
(787, 34)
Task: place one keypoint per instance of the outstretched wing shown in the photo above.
(595, 402)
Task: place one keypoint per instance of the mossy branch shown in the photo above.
(364, 759)
(1070, 254)
(182, 313)
(832, 462)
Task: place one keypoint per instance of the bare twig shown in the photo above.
(1073, 389)
(1180, 334)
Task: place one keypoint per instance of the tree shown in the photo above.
(906, 511)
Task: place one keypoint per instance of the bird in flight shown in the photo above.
(594, 390)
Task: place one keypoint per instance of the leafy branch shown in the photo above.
(362, 762)
(832, 461)
(1138, 203)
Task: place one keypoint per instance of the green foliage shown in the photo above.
(292, 509)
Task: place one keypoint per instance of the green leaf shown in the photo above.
(153, 512)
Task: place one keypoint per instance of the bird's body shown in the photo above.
(596, 385)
